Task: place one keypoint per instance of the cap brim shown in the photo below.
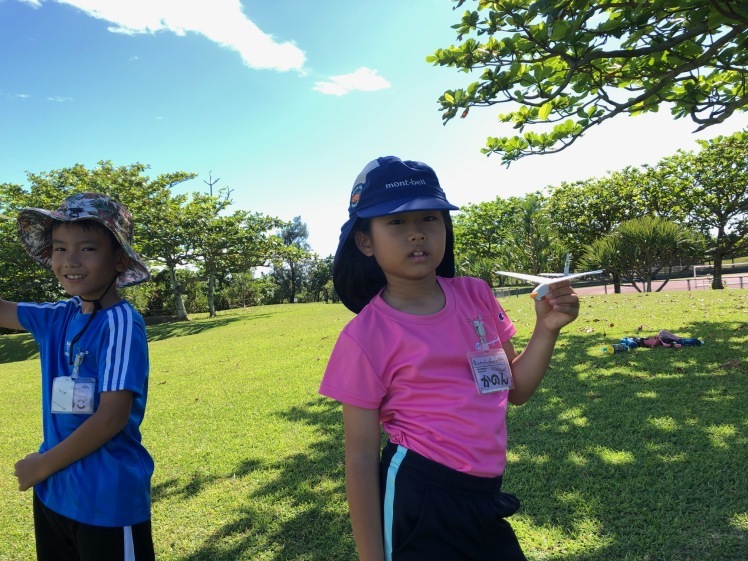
(406, 205)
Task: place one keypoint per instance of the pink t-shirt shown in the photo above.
(415, 370)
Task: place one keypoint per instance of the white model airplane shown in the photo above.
(544, 281)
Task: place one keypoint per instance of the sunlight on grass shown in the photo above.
(740, 521)
(572, 417)
(720, 434)
(647, 395)
(717, 394)
(615, 457)
(523, 454)
(667, 424)
(666, 453)
(577, 459)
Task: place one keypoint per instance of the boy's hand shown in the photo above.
(30, 471)
(558, 308)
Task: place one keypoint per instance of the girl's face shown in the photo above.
(85, 261)
(409, 245)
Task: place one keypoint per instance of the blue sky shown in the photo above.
(285, 102)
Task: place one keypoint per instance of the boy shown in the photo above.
(91, 476)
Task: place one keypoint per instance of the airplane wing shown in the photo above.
(584, 274)
(525, 277)
(547, 280)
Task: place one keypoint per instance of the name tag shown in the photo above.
(73, 395)
(491, 370)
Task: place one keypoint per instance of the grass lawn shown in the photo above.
(635, 456)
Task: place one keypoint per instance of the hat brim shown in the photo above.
(34, 232)
(409, 204)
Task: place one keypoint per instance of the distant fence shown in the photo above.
(683, 284)
(701, 283)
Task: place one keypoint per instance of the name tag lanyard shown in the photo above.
(71, 394)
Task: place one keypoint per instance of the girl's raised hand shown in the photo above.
(559, 307)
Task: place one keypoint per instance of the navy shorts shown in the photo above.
(58, 538)
(433, 512)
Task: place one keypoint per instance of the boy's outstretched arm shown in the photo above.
(557, 309)
(109, 419)
(9, 315)
(362, 480)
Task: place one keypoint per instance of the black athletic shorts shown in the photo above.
(433, 512)
(59, 538)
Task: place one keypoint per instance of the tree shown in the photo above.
(571, 65)
(481, 231)
(167, 241)
(532, 244)
(640, 248)
(709, 191)
(585, 211)
(512, 233)
(289, 265)
(319, 281)
(227, 244)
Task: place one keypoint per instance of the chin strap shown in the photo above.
(97, 307)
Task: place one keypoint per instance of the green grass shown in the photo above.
(637, 456)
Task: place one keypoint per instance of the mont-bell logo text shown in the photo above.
(405, 183)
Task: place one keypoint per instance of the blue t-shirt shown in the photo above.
(110, 486)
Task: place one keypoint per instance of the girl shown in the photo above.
(428, 357)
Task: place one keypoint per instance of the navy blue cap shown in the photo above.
(389, 185)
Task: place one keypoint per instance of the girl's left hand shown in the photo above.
(559, 307)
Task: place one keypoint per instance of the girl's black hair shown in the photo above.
(358, 278)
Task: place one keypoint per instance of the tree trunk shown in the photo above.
(616, 283)
(178, 301)
(292, 296)
(717, 274)
(211, 296)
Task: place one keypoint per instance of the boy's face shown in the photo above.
(85, 260)
(409, 245)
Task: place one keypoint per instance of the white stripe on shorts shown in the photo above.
(129, 545)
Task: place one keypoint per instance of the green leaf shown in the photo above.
(544, 111)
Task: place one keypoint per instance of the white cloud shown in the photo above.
(59, 99)
(220, 21)
(361, 79)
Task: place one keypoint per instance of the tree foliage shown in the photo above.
(512, 234)
(641, 248)
(564, 66)
(481, 232)
(222, 244)
(710, 191)
(291, 261)
(583, 211)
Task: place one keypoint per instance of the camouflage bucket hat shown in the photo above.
(35, 230)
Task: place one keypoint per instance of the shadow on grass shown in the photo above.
(314, 483)
(172, 488)
(17, 347)
(642, 454)
(639, 457)
(168, 330)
